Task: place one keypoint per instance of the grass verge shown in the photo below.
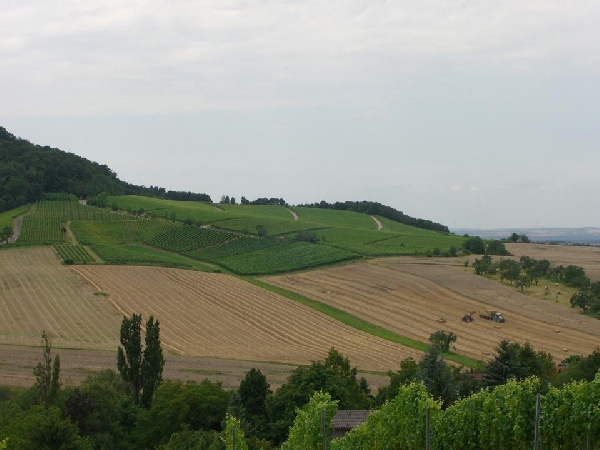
(362, 325)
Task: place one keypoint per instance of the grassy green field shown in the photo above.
(7, 217)
(386, 243)
(195, 211)
(144, 255)
(320, 218)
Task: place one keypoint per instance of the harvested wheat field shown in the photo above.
(586, 257)
(214, 315)
(415, 299)
(38, 293)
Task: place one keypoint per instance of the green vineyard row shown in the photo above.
(189, 237)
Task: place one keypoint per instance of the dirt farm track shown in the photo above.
(217, 326)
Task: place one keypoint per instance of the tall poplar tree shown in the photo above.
(141, 370)
(47, 374)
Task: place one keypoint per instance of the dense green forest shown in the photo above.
(28, 172)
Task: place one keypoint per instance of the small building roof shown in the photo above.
(348, 419)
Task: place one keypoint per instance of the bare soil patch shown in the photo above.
(378, 222)
(17, 363)
(293, 213)
(215, 315)
(415, 297)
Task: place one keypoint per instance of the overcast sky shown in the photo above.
(470, 113)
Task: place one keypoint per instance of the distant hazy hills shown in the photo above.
(580, 236)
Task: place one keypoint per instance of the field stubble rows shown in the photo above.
(417, 299)
(37, 293)
(220, 316)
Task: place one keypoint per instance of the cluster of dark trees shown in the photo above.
(377, 209)
(529, 270)
(160, 192)
(588, 296)
(112, 411)
(29, 171)
(521, 273)
(476, 245)
(268, 201)
(226, 199)
(522, 238)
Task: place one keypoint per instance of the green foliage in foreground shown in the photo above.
(234, 436)
(307, 431)
(500, 419)
(400, 423)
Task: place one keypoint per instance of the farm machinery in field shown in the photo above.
(469, 317)
(494, 316)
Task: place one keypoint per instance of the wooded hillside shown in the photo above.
(28, 171)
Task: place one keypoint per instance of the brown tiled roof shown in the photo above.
(346, 420)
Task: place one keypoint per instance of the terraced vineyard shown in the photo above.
(73, 210)
(341, 235)
(235, 247)
(256, 256)
(46, 221)
(76, 254)
(117, 237)
(120, 232)
(41, 229)
(221, 316)
(294, 256)
(188, 237)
